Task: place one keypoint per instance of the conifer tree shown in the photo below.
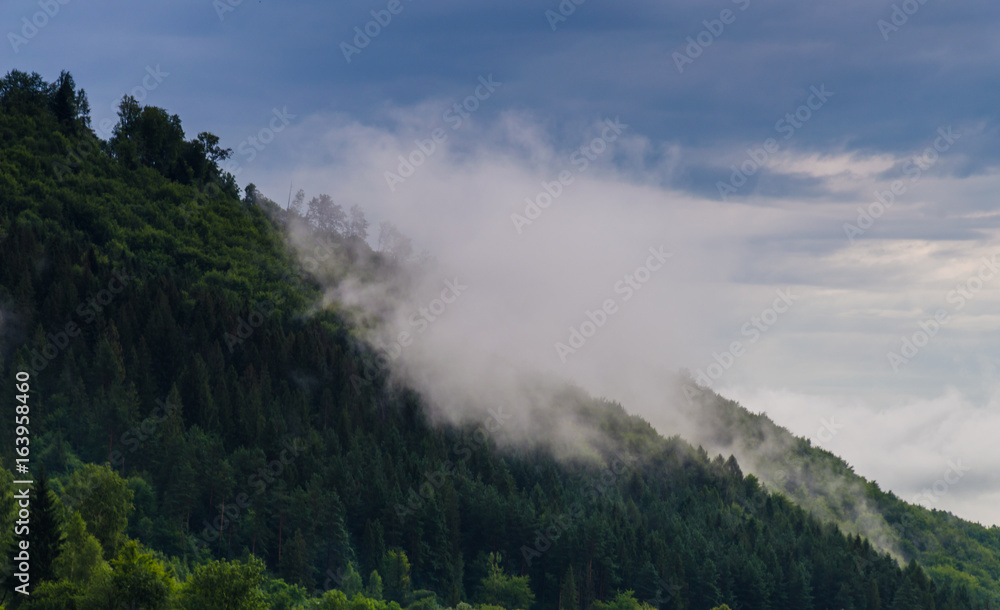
(46, 530)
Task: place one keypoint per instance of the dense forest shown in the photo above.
(949, 548)
(202, 437)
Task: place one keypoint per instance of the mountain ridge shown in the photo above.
(671, 527)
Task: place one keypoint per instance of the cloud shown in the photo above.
(532, 287)
(938, 452)
(655, 186)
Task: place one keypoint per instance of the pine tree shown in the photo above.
(351, 584)
(46, 530)
(396, 580)
(295, 565)
(569, 595)
(374, 589)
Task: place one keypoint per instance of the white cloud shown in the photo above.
(528, 290)
(939, 451)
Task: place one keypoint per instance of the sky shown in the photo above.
(793, 200)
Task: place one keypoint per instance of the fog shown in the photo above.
(616, 281)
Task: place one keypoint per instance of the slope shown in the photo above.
(168, 335)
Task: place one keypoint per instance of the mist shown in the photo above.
(543, 270)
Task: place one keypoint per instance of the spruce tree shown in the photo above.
(46, 530)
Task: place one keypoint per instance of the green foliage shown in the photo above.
(283, 596)
(46, 534)
(149, 137)
(138, 580)
(374, 589)
(352, 585)
(8, 508)
(104, 501)
(82, 557)
(396, 585)
(296, 566)
(236, 424)
(623, 600)
(497, 588)
(964, 555)
(569, 593)
(332, 600)
(225, 585)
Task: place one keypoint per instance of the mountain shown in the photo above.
(213, 438)
(948, 547)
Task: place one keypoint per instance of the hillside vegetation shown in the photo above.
(948, 547)
(210, 440)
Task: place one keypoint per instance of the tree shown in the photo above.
(250, 194)
(569, 595)
(295, 565)
(147, 136)
(325, 215)
(357, 224)
(104, 500)
(623, 600)
(138, 580)
(67, 103)
(208, 145)
(374, 589)
(393, 243)
(800, 592)
(81, 558)
(499, 589)
(225, 585)
(297, 204)
(46, 532)
(373, 544)
(351, 584)
(22, 92)
(8, 510)
(396, 583)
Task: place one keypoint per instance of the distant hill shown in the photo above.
(948, 547)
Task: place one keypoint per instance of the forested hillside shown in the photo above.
(948, 547)
(211, 440)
